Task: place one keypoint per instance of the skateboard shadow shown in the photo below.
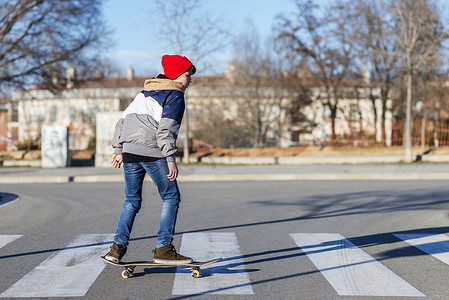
(205, 271)
(154, 270)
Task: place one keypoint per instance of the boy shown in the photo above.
(145, 142)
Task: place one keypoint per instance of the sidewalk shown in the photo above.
(212, 172)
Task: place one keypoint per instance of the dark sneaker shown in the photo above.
(116, 253)
(168, 255)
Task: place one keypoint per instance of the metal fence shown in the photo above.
(425, 133)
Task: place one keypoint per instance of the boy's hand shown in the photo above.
(116, 160)
(172, 170)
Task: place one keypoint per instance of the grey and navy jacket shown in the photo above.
(150, 124)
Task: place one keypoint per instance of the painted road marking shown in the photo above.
(225, 277)
(6, 239)
(350, 270)
(436, 245)
(68, 273)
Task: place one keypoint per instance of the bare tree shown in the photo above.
(221, 131)
(263, 82)
(39, 39)
(191, 31)
(249, 67)
(419, 36)
(325, 41)
(376, 45)
(267, 97)
(291, 80)
(429, 93)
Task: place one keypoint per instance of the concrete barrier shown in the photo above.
(22, 163)
(311, 160)
(435, 158)
(231, 160)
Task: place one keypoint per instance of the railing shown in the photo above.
(425, 133)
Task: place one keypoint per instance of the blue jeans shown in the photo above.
(168, 190)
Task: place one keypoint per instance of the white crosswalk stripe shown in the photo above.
(71, 271)
(350, 270)
(68, 273)
(6, 239)
(226, 277)
(436, 245)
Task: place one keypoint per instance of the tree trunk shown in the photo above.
(376, 116)
(408, 120)
(383, 117)
(333, 118)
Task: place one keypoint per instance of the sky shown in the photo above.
(136, 45)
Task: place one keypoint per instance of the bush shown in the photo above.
(29, 144)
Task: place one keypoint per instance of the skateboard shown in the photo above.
(130, 266)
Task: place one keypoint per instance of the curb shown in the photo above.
(234, 177)
(316, 160)
(279, 160)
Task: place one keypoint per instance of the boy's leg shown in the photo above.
(169, 192)
(134, 175)
(165, 252)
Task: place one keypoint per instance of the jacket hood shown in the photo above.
(161, 84)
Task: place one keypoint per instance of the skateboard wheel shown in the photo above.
(196, 272)
(126, 274)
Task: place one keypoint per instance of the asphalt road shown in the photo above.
(266, 231)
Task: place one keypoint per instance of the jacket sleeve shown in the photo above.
(118, 147)
(116, 143)
(168, 129)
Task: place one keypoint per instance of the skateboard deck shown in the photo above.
(130, 266)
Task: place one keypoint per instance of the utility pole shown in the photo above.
(186, 157)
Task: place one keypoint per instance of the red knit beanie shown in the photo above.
(175, 65)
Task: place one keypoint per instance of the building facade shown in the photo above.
(77, 104)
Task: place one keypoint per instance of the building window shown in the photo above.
(14, 116)
(90, 113)
(53, 111)
(37, 113)
(354, 112)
